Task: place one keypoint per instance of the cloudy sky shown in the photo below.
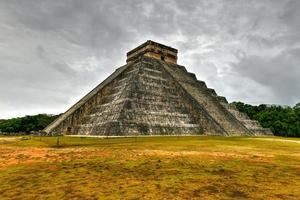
(52, 52)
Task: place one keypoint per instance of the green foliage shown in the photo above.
(26, 124)
(283, 121)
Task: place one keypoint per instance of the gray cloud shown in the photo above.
(53, 52)
(280, 74)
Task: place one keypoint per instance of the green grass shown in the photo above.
(149, 168)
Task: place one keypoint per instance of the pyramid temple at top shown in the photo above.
(153, 95)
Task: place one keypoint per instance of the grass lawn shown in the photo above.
(149, 168)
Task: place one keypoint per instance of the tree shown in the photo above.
(26, 124)
(283, 121)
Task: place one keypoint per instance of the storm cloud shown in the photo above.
(52, 52)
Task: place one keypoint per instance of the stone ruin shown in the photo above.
(153, 95)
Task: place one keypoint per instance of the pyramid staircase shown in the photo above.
(253, 125)
(141, 101)
(225, 114)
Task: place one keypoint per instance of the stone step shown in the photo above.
(139, 115)
(222, 99)
(124, 79)
(226, 120)
(151, 73)
(192, 75)
(141, 122)
(201, 84)
(133, 70)
(239, 115)
(182, 68)
(170, 99)
(116, 102)
(161, 104)
(229, 106)
(152, 70)
(212, 92)
(137, 129)
(153, 78)
(262, 131)
(107, 109)
(143, 94)
(164, 106)
(105, 117)
(251, 124)
(155, 86)
(140, 112)
(121, 86)
(150, 65)
(111, 97)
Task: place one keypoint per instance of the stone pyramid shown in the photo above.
(153, 95)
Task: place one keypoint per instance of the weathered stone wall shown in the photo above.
(146, 101)
(74, 115)
(160, 56)
(153, 97)
(252, 125)
(153, 50)
(208, 99)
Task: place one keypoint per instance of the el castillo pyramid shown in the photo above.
(153, 95)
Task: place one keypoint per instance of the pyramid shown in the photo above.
(153, 95)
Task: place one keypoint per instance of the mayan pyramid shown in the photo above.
(153, 95)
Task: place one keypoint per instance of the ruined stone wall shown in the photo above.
(153, 50)
(153, 97)
(74, 115)
(252, 125)
(207, 98)
(225, 114)
(143, 99)
(160, 56)
(146, 102)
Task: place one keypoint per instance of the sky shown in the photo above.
(53, 52)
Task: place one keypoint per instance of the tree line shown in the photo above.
(283, 121)
(25, 125)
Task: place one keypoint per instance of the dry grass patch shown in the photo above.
(150, 168)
